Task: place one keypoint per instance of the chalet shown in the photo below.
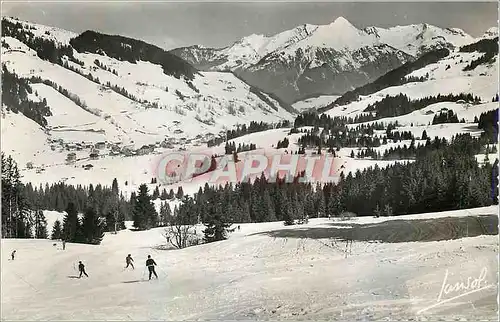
(87, 166)
(71, 157)
(94, 156)
(127, 151)
(100, 145)
(71, 146)
(115, 150)
(145, 149)
(29, 165)
(167, 145)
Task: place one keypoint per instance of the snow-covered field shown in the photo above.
(252, 276)
(314, 102)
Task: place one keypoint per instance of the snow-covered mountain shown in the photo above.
(491, 33)
(326, 59)
(95, 87)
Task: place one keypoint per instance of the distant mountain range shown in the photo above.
(329, 59)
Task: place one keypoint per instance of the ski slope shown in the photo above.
(249, 276)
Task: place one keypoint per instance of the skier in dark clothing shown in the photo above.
(129, 261)
(81, 267)
(150, 263)
(13, 254)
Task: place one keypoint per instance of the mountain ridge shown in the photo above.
(329, 55)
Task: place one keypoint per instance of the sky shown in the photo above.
(219, 24)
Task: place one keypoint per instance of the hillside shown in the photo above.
(125, 88)
(439, 72)
(132, 95)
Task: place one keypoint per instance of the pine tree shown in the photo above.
(269, 213)
(92, 229)
(320, 202)
(144, 212)
(114, 187)
(216, 222)
(40, 225)
(180, 193)
(165, 214)
(16, 216)
(156, 193)
(71, 224)
(164, 194)
(56, 231)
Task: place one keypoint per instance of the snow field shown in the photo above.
(247, 276)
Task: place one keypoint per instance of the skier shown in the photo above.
(150, 263)
(81, 267)
(13, 254)
(239, 227)
(64, 244)
(129, 261)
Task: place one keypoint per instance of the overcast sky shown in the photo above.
(174, 24)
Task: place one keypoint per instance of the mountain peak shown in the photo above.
(492, 32)
(342, 22)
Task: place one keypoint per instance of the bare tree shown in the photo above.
(181, 230)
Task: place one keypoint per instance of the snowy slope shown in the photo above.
(23, 139)
(444, 77)
(249, 276)
(314, 102)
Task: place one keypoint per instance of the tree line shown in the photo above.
(391, 106)
(132, 50)
(489, 48)
(45, 49)
(15, 96)
(444, 176)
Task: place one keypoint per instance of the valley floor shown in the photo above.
(257, 274)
